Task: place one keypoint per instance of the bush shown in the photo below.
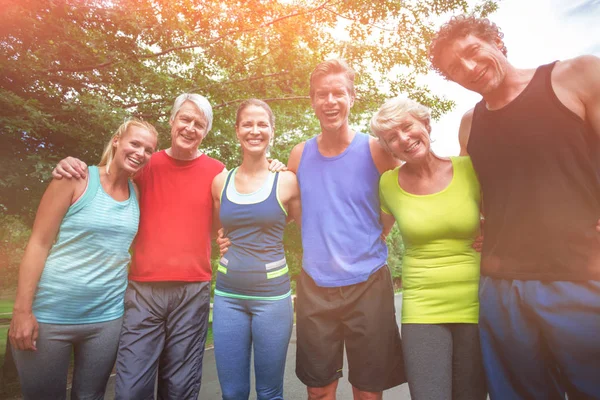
(13, 239)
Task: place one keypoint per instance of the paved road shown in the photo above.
(294, 389)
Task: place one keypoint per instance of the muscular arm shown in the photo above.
(295, 156)
(53, 207)
(383, 160)
(576, 83)
(464, 131)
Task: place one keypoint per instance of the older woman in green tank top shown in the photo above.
(435, 201)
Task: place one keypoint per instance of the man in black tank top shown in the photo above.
(534, 142)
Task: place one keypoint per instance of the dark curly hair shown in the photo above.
(460, 26)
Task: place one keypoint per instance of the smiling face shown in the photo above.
(474, 63)
(133, 149)
(188, 128)
(254, 130)
(332, 101)
(409, 141)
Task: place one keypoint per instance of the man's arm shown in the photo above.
(388, 221)
(70, 167)
(464, 131)
(383, 160)
(295, 156)
(577, 85)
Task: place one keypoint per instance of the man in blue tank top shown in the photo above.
(345, 292)
(534, 142)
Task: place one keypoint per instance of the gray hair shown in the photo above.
(199, 101)
(390, 115)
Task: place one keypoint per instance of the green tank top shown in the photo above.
(440, 268)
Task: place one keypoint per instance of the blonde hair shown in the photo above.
(109, 149)
(390, 115)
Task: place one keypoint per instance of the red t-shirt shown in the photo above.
(173, 239)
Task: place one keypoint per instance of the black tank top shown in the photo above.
(537, 163)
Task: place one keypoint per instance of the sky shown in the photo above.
(536, 32)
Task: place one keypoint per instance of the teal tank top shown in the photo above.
(85, 274)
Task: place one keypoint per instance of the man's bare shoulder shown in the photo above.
(295, 156)
(579, 73)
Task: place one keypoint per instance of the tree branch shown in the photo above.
(267, 100)
(186, 47)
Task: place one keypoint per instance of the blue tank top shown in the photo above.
(341, 227)
(85, 274)
(254, 266)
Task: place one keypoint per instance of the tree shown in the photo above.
(72, 70)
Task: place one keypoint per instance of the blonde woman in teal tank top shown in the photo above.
(74, 272)
(435, 202)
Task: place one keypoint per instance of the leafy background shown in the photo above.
(72, 70)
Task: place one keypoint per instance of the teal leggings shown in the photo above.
(43, 373)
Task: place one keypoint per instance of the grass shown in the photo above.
(6, 307)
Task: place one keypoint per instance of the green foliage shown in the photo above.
(72, 70)
(395, 253)
(13, 238)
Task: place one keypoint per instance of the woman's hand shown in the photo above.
(23, 331)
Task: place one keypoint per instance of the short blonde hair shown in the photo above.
(390, 114)
(109, 149)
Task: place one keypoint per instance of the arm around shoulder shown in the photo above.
(464, 131)
(295, 157)
(382, 159)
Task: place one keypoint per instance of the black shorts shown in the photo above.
(362, 316)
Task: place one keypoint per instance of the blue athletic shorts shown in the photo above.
(540, 339)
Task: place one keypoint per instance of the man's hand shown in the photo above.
(222, 242)
(478, 243)
(70, 167)
(276, 166)
(23, 331)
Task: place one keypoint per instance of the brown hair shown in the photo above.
(257, 103)
(460, 26)
(330, 67)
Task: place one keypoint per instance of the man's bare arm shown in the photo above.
(464, 131)
(295, 156)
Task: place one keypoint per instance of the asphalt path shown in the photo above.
(293, 388)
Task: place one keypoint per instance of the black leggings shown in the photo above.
(443, 361)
